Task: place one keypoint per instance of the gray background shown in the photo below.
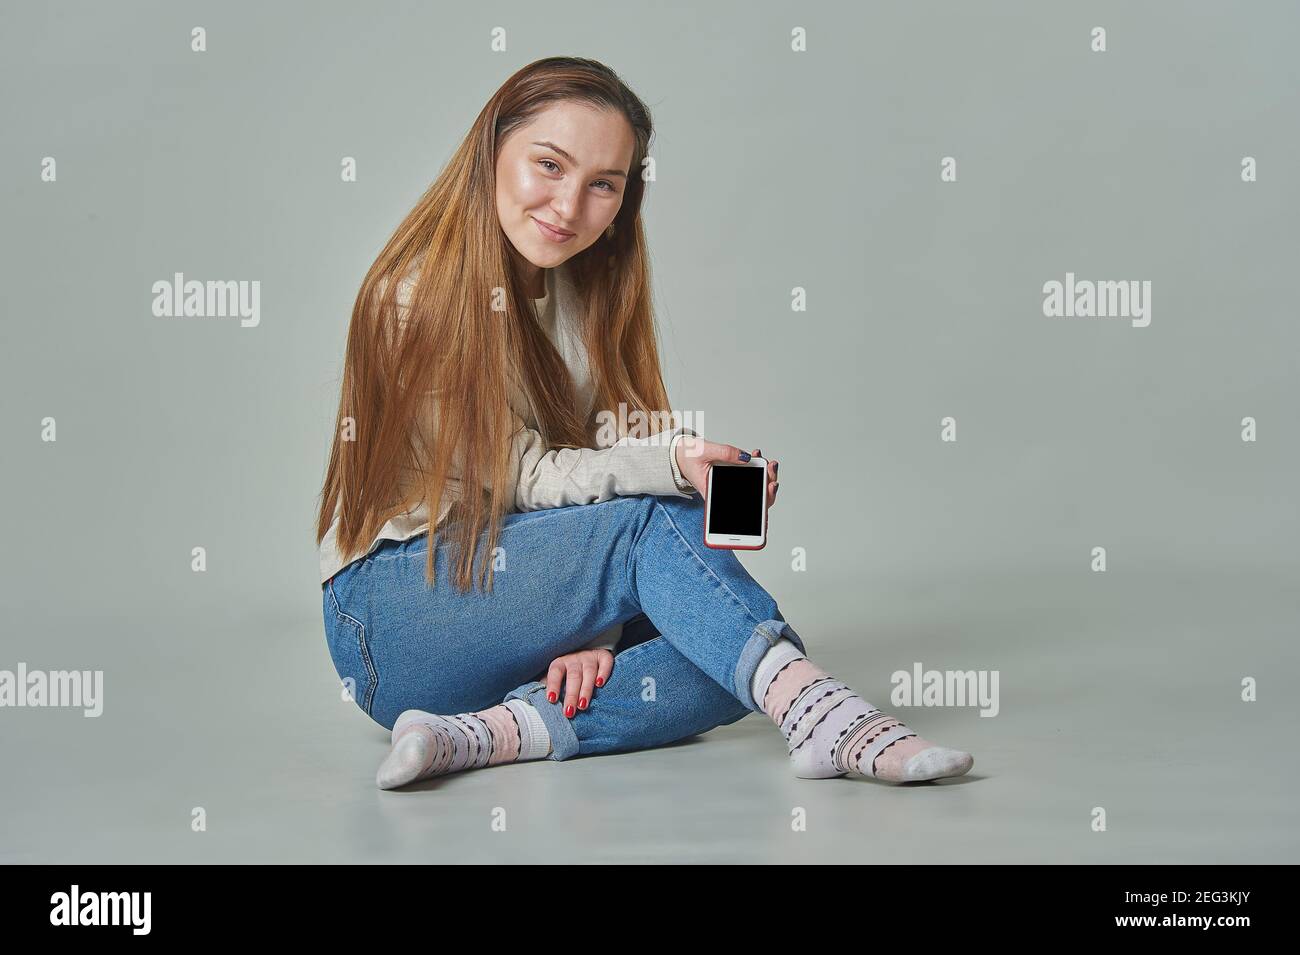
(775, 169)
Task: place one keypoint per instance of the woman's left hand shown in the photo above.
(580, 673)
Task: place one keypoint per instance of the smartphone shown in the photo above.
(735, 506)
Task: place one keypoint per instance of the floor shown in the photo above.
(1121, 695)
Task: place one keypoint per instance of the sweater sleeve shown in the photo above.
(683, 485)
(568, 476)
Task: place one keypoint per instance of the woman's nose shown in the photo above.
(567, 203)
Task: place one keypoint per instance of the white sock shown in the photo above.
(830, 730)
(427, 744)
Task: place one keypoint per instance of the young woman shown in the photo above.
(508, 310)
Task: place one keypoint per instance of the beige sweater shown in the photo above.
(543, 478)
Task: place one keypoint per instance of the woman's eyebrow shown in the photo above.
(603, 172)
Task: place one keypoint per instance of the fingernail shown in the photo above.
(582, 702)
(744, 455)
(550, 697)
(568, 711)
(776, 467)
(600, 681)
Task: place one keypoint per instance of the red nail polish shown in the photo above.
(568, 711)
(600, 681)
(582, 702)
(551, 697)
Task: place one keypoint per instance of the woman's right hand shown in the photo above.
(695, 455)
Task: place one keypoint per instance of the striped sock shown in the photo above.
(830, 730)
(426, 744)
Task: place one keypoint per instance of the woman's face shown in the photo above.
(566, 169)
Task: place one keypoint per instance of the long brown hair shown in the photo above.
(451, 347)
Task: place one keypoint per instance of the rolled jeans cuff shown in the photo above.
(564, 741)
(760, 641)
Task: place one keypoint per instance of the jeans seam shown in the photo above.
(371, 674)
(625, 655)
(376, 558)
(443, 541)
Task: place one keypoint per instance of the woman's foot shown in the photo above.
(913, 759)
(831, 731)
(427, 744)
(412, 757)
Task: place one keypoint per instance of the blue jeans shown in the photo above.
(695, 624)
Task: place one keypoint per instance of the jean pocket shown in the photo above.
(346, 637)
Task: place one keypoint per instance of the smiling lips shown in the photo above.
(553, 234)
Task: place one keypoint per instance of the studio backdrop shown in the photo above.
(1007, 288)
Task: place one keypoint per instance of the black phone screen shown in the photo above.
(736, 500)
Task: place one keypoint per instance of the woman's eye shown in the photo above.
(609, 186)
